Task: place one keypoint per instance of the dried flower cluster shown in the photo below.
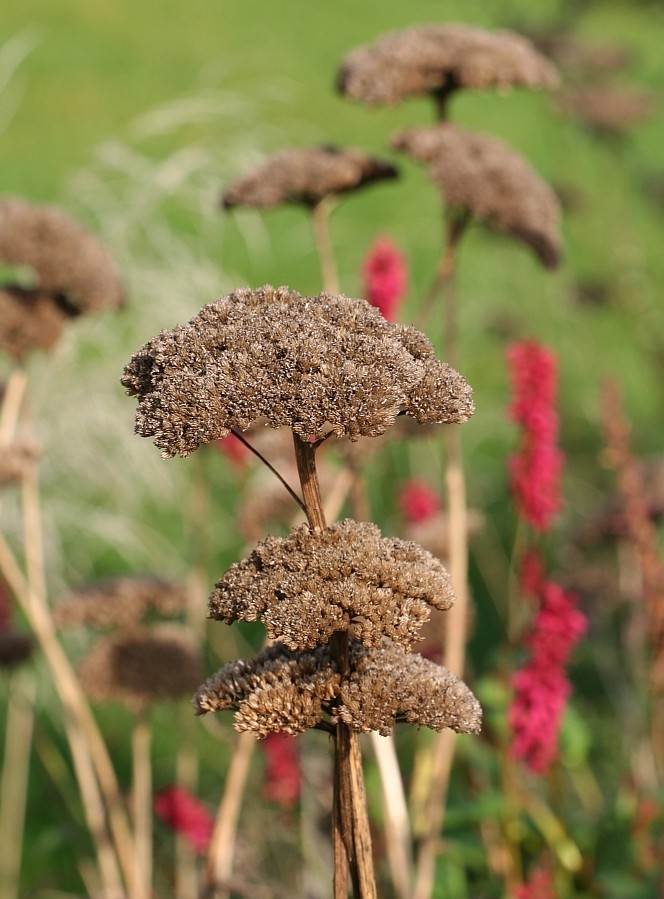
(314, 364)
(385, 277)
(608, 110)
(431, 59)
(68, 270)
(481, 175)
(535, 468)
(15, 461)
(311, 584)
(285, 691)
(142, 666)
(122, 602)
(306, 175)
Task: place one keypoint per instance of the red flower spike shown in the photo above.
(385, 277)
(186, 815)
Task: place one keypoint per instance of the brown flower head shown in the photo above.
(314, 364)
(608, 110)
(15, 648)
(15, 461)
(122, 602)
(436, 59)
(306, 175)
(311, 584)
(68, 270)
(143, 666)
(482, 175)
(288, 692)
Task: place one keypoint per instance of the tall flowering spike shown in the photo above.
(436, 59)
(311, 584)
(385, 277)
(418, 502)
(481, 175)
(122, 602)
(539, 885)
(283, 778)
(535, 468)
(541, 687)
(315, 364)
(287, 692)
(185, 814)
(142, 666)
(68, 270)
(306, 175)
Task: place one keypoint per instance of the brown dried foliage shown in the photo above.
(122, 602)
(482, 175)
(311, 584)
(318, 365)
(143, 666)
(306, 175)
(435, 59)
(288, 692)
(29, 319)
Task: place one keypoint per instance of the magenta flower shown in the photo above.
(385, 277)
(541, 687)
(535, 467)
(233, 449)
(418, 501)
(186, 815)
(538, 886)
(283, 780)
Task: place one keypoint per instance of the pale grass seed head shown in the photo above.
(435, 59)
(318, 365)
(481, 175)
(142, 666)
(307, 586)
(287, 691)
(306, 175)
(122, 602)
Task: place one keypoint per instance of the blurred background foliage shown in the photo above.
(133, 116)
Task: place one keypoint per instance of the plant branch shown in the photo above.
(320, 220)
(271, 467)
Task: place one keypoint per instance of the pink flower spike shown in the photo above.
(418, 502)
(385, 277)
(538, 886)
(186, 815)
(233, 449)
(283, 781)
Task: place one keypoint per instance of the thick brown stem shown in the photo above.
(352, 836)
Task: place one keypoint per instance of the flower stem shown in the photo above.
(320, 213)
(352, 836)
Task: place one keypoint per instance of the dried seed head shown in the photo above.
(16, 460)
(314, 364)
(70, 264)
(482, 175)
(388, 685)
(120, 602)
(306, 175)
(29, 319)
(14, 648)
(288, 692)
(608, 110)
(143, 666)
(434, 59)
(311, 584)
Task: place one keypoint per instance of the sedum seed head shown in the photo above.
(15, 648)
(143, 666)
(482, 175)
(16, 460)
(433, 59)
(314, 364)
(288, 692)
(313, 583)
(122, 602)
(29, 319)
(306, 175)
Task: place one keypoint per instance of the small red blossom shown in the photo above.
(385, 277)
(535, 467)
(233, 449)
(283, 780)
(418, 502)
(538, 886)
(541, 687)
(186, 815)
